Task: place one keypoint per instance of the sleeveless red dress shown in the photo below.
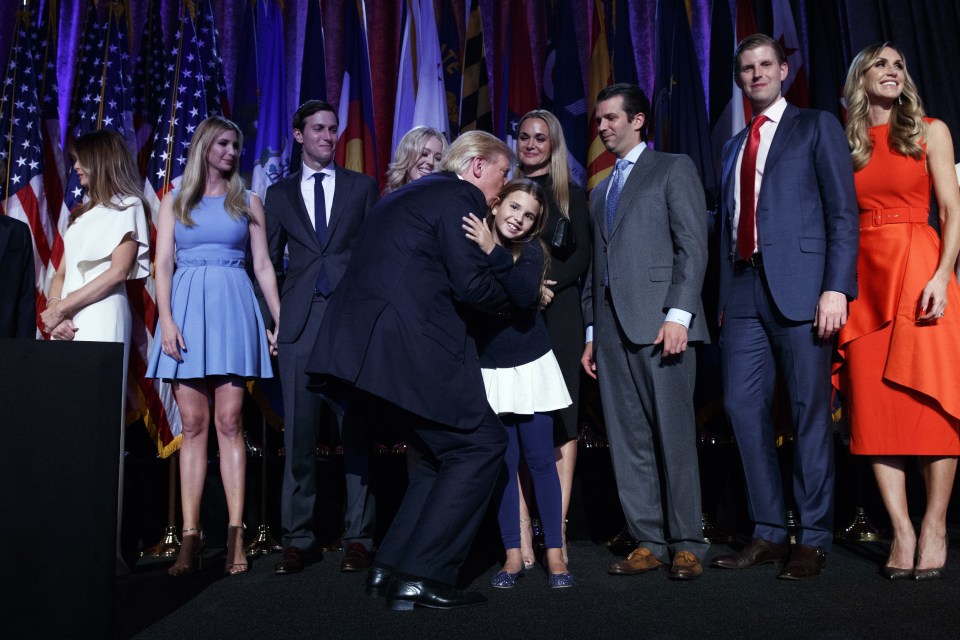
(901, 378)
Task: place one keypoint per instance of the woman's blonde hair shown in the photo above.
(112, 174)
(536, 191)
(559, 167)
(195, 174)
(408, 153)
(906, 128)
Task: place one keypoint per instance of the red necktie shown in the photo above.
(748, 176)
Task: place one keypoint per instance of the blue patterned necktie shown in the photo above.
(320, 224)
(613, 196)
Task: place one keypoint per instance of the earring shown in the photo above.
(900, 99)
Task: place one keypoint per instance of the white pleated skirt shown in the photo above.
(534, 387)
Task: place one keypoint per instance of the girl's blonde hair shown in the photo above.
(195, 174)
(408, 154)
(559, 167)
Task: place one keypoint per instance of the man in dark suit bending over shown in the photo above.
(316, 214)
(397, 332)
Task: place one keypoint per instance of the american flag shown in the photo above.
(103, 86)
(148, 83)
(21, 148)
(183, 106)
(207, 37)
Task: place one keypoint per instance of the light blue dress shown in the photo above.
(213, 302)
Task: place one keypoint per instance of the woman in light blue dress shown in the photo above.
(212, 337)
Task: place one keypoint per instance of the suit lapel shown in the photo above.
(781, 138)
(728, 178)
(295, 196)
(340, 196)
(600, 206)
(637, 175)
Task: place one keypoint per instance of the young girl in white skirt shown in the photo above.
(522, 377)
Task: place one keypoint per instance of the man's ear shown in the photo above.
(477, 165)
(298, 135)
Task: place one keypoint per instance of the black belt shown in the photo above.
(754, 262)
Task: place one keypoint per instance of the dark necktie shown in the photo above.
(748, 181)
(320, 223)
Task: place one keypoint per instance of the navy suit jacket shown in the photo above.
(18, 311)
(288, 225)
(807, 215)
(397, 326)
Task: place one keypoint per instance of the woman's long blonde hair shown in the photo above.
(408, 154)
(195, 174)
(559, 168)
(907, 127)
(112, 175)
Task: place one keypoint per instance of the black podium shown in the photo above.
(60, 418)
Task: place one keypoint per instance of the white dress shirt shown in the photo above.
(329, 187)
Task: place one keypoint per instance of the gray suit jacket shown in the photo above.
(288, 225)
(657, 251)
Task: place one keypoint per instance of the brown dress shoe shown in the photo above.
(640, 560)
(292, 560)
(758, 552)
(686, 566)
(357, 558)
(805, 562)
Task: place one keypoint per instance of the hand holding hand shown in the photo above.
(66, 330)
(479, 232)
(272, 340)
(52, 316)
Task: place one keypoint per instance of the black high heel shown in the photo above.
(235, 537)
(190, 557)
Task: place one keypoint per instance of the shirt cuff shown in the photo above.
(680, 317)
(589, 333)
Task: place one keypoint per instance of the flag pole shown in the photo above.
(264, 543)
(170, 545)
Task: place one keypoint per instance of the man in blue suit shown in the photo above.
(397, 334)
(788, 259)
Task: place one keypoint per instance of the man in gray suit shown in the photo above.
(642, 297)
(316, 214)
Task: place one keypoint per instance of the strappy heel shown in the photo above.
(234, 538)
(190, 557)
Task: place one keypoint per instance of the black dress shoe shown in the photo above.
(357, 558)
(758, 552)
(406, 592)
(376, 581)
(805, 562)
(293, 560)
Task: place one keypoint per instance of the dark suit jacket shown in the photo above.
(18, 310)
(288, 224)
(807, 214)
(396, 326)
(657, 251)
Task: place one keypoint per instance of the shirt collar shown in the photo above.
(634, 154)
(775, 111)
(306, 173)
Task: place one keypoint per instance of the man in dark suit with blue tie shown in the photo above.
(397, 334)
(316, 215)
(788, 262)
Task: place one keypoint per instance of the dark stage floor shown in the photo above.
(851, 600)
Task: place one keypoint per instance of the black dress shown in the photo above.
(563, 316)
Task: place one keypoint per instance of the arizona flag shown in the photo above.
(599, 162)
(357, 149)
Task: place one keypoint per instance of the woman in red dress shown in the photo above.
(901, 348)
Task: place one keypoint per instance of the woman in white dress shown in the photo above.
(106, 244)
